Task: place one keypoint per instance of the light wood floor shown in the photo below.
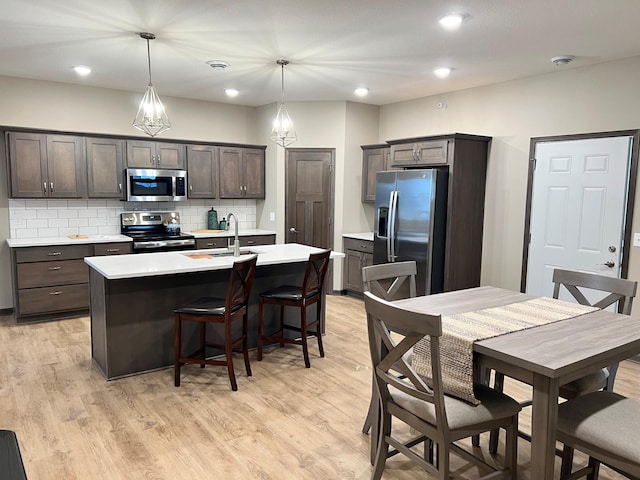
(285, 422)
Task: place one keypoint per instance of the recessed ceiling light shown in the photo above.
(218, 64)
(82, 70)
(361, 92)
(451, 21)
(442, 72)
(563, 59)
(231, 92)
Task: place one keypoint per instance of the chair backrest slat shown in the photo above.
(239, 289)
(386, 323)
(317, 267)
(391, 280)
(618, 289)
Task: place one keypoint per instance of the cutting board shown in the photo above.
(76, 237)
(208, 231)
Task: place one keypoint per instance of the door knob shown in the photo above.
(609, 264)
(612, 248)
(293, 230)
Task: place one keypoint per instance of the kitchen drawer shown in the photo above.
(53, 253)
(42, 274)
(53, 299)
(365, 246)
(119, 248)
(217, 242)
(257, 240)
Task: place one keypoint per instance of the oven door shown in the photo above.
(154, 185)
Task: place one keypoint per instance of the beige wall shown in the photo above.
(592, 99)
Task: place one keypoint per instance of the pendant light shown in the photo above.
(283, 133)
(151, 117)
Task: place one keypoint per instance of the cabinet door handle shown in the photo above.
(153, 159)
(191, 188)
(54, 254)
(51, 187)
(57, 292)
(113, 250)
(120, 188)
(45, 186)
(55, 268)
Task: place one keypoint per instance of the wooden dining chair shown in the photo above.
(605, 426)
(613, 290)
(390, 281)
(226, 311)
(301, 297)
(421, 403)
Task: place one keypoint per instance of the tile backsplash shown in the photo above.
(38, 218)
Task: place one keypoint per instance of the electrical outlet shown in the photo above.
(272, 217)
(636, 239)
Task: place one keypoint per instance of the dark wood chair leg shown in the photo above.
(567, 462)
(282, 314)
(595, 469)
(203, 342)
(229, 354)
(260, 328)
(318, 330)
(303, 333)
(177, 340)
(245, 344)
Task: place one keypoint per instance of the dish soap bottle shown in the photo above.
(212, 220)
(223, 224)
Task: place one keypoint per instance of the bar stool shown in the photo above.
(300, 297)
(218, 310)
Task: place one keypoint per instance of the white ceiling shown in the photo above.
(334, 46)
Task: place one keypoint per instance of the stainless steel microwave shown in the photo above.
(155, 185)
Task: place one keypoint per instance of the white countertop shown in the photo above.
(360, 236)
(46, 241)
(169, 263)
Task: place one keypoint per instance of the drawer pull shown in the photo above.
(55, 268)
(57, 292)
(251, 242)
(113, 250)
(54, 254)
(212, 244)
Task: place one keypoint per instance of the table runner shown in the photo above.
(461, 330)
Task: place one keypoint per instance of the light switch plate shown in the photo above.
(636, 239)
(272, 217)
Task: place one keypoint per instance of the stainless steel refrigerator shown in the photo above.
(410, 223)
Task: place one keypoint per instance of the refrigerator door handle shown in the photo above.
(389, 225)
(391, 235)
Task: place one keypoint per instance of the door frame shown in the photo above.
(631, 192)
(332, 186)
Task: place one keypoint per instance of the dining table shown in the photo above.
(544, 357)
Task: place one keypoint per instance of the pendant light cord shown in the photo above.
(282, 77)
(149, 60)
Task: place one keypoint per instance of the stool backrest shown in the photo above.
(317, 267)
(239, 289)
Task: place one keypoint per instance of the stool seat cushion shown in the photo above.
(284, 292)
(11, 464)
(203, 306)
(604, 420)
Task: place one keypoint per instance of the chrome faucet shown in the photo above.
(236, 243)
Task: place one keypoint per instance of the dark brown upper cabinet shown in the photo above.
(105, 164)
(242, 172)
(202, 171)
(145, 154)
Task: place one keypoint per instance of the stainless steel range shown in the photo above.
(155, 232)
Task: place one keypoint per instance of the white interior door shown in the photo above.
(578, 209)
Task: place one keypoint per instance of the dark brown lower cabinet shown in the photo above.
(358, 254)
(53, 282)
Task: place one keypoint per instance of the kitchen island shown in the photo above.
(133, 297)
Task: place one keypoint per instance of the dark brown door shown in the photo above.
(309, 198)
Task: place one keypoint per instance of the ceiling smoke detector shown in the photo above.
(218, 64)
(563, 59)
